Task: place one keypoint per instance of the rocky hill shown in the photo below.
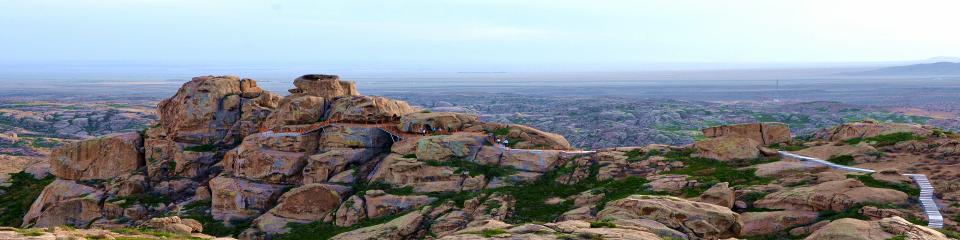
(325, 162)
(926, 69)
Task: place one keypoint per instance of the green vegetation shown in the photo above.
(200, 211)
(410, 155)
(872, 182)
(148, 200)
(787, 147)
(898, 237)
(950, 233)
(709, 171)
(853, 212)
(602, 224)
(201, 148)
(489, 233)
(155, 233)
(17, 198)
(501, 131)
(320, 230)
(31, 232)
(845, 160)
(474, 169)
(886, 139)
(636, 156)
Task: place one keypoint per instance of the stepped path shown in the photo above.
(927, 201)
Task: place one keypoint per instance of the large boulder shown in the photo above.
(869, 128)
(378, 203)
(528, 137)
(297, 110)
(766, 223)
(368, 109)
(831, 150)
(252, 161)
(530, 160)
(446, 147)
(88, 159)
(342, 136)
(204, 109)
(407, 172)
(304, 204)
(728, 148)
(65, 202)
(321, 167)
(720, 194)
(324, 86)
(834, 195)
(403, 227)
(765, 133)
(237, 198)
(887, 228)
(441, 121)
(702, 220)
(167, 159)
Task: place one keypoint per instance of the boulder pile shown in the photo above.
(232, 155)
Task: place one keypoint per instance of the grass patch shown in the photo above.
(475, 169)
(885, 140)
(148, 200)
(31, 232)
(873, 182)
(636, 156)
(787, 147)
(320, 230)
(410, 155)
(489, 233)
(17, 198)
(709, 171)
(201, 148)
(845, 160)
(200, 211)
(602, 224)
(155, 233)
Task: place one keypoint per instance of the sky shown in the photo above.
(468, 32)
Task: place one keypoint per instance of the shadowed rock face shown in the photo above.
(88, 159)
(765, 133)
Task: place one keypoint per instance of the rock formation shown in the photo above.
(237, 156)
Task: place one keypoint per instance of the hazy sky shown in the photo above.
(477, 32)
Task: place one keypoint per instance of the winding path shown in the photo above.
(927, 201)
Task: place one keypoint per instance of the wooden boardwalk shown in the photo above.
(927, 198)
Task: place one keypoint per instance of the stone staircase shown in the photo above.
(927, 200)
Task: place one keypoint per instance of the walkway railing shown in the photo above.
(927, 199)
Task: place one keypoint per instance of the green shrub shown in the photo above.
(602, 224)
(845, 160)
(713, 171)
(17, 198)
(489, 233)
(886, 139)
(200, 211)
(320, 230)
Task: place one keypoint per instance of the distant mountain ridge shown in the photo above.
(926, 69)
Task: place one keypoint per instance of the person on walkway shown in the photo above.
(506, 142)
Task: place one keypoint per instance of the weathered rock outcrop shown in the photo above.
(206, 108)
(765, 133)
(439, 121)
(324, 86)
(853, 229)
(368, 109)
(237, 198)
(766, 223)
(869, 128)
(835, 195)
(297, 110)
(88, 159)
(728, 148)
(65, 202)
(528, 137)
(693, 218)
